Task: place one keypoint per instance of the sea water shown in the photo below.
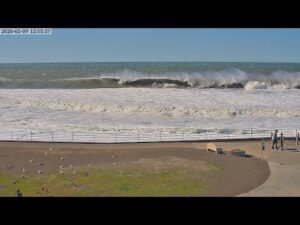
(148, 97)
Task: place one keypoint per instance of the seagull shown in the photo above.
(23, 170)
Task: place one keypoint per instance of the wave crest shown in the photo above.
(233, 78)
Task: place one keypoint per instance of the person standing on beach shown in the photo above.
(275, 140)
(281, 141)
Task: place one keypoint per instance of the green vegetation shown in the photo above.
(117, 181)
(215, 169)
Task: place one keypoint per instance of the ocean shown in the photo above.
(134, 97)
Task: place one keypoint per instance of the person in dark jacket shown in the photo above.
(275, 142)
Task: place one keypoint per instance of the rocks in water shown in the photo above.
(114, 164)
(41, 164)
(23, 170)
(31, 161)
(60, 167)
(62, 158)
(70, 166)
(114, 156)
(74, 172)
(40, 172)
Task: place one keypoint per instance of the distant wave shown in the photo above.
(233, 78)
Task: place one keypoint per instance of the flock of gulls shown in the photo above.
(61, 168)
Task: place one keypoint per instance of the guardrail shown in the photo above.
(123, 137)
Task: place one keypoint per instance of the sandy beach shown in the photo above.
(239, 174)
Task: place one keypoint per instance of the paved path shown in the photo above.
(285, 175)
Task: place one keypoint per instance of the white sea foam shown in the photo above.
(147, 109)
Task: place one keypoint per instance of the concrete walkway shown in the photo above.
(285, 175)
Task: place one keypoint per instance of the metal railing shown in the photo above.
(125, 136)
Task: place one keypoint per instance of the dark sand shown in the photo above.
(240, 174)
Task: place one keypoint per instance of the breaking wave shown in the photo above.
(233, 78)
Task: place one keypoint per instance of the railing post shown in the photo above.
(115, 137)
(227, 133)
(30, 135)
(52, 136)
(138, 138)
(94, 137)
(251, 133)
(182, 136)
(297, 138)
(11, 135)
(160, 136)
(72, 136)
(206, 134)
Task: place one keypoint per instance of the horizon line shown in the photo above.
(49, 62)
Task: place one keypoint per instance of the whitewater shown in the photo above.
(147, 109)
(148, 97)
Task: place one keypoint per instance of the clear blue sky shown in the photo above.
(122, 45)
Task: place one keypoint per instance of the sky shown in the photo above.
(158, 45)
